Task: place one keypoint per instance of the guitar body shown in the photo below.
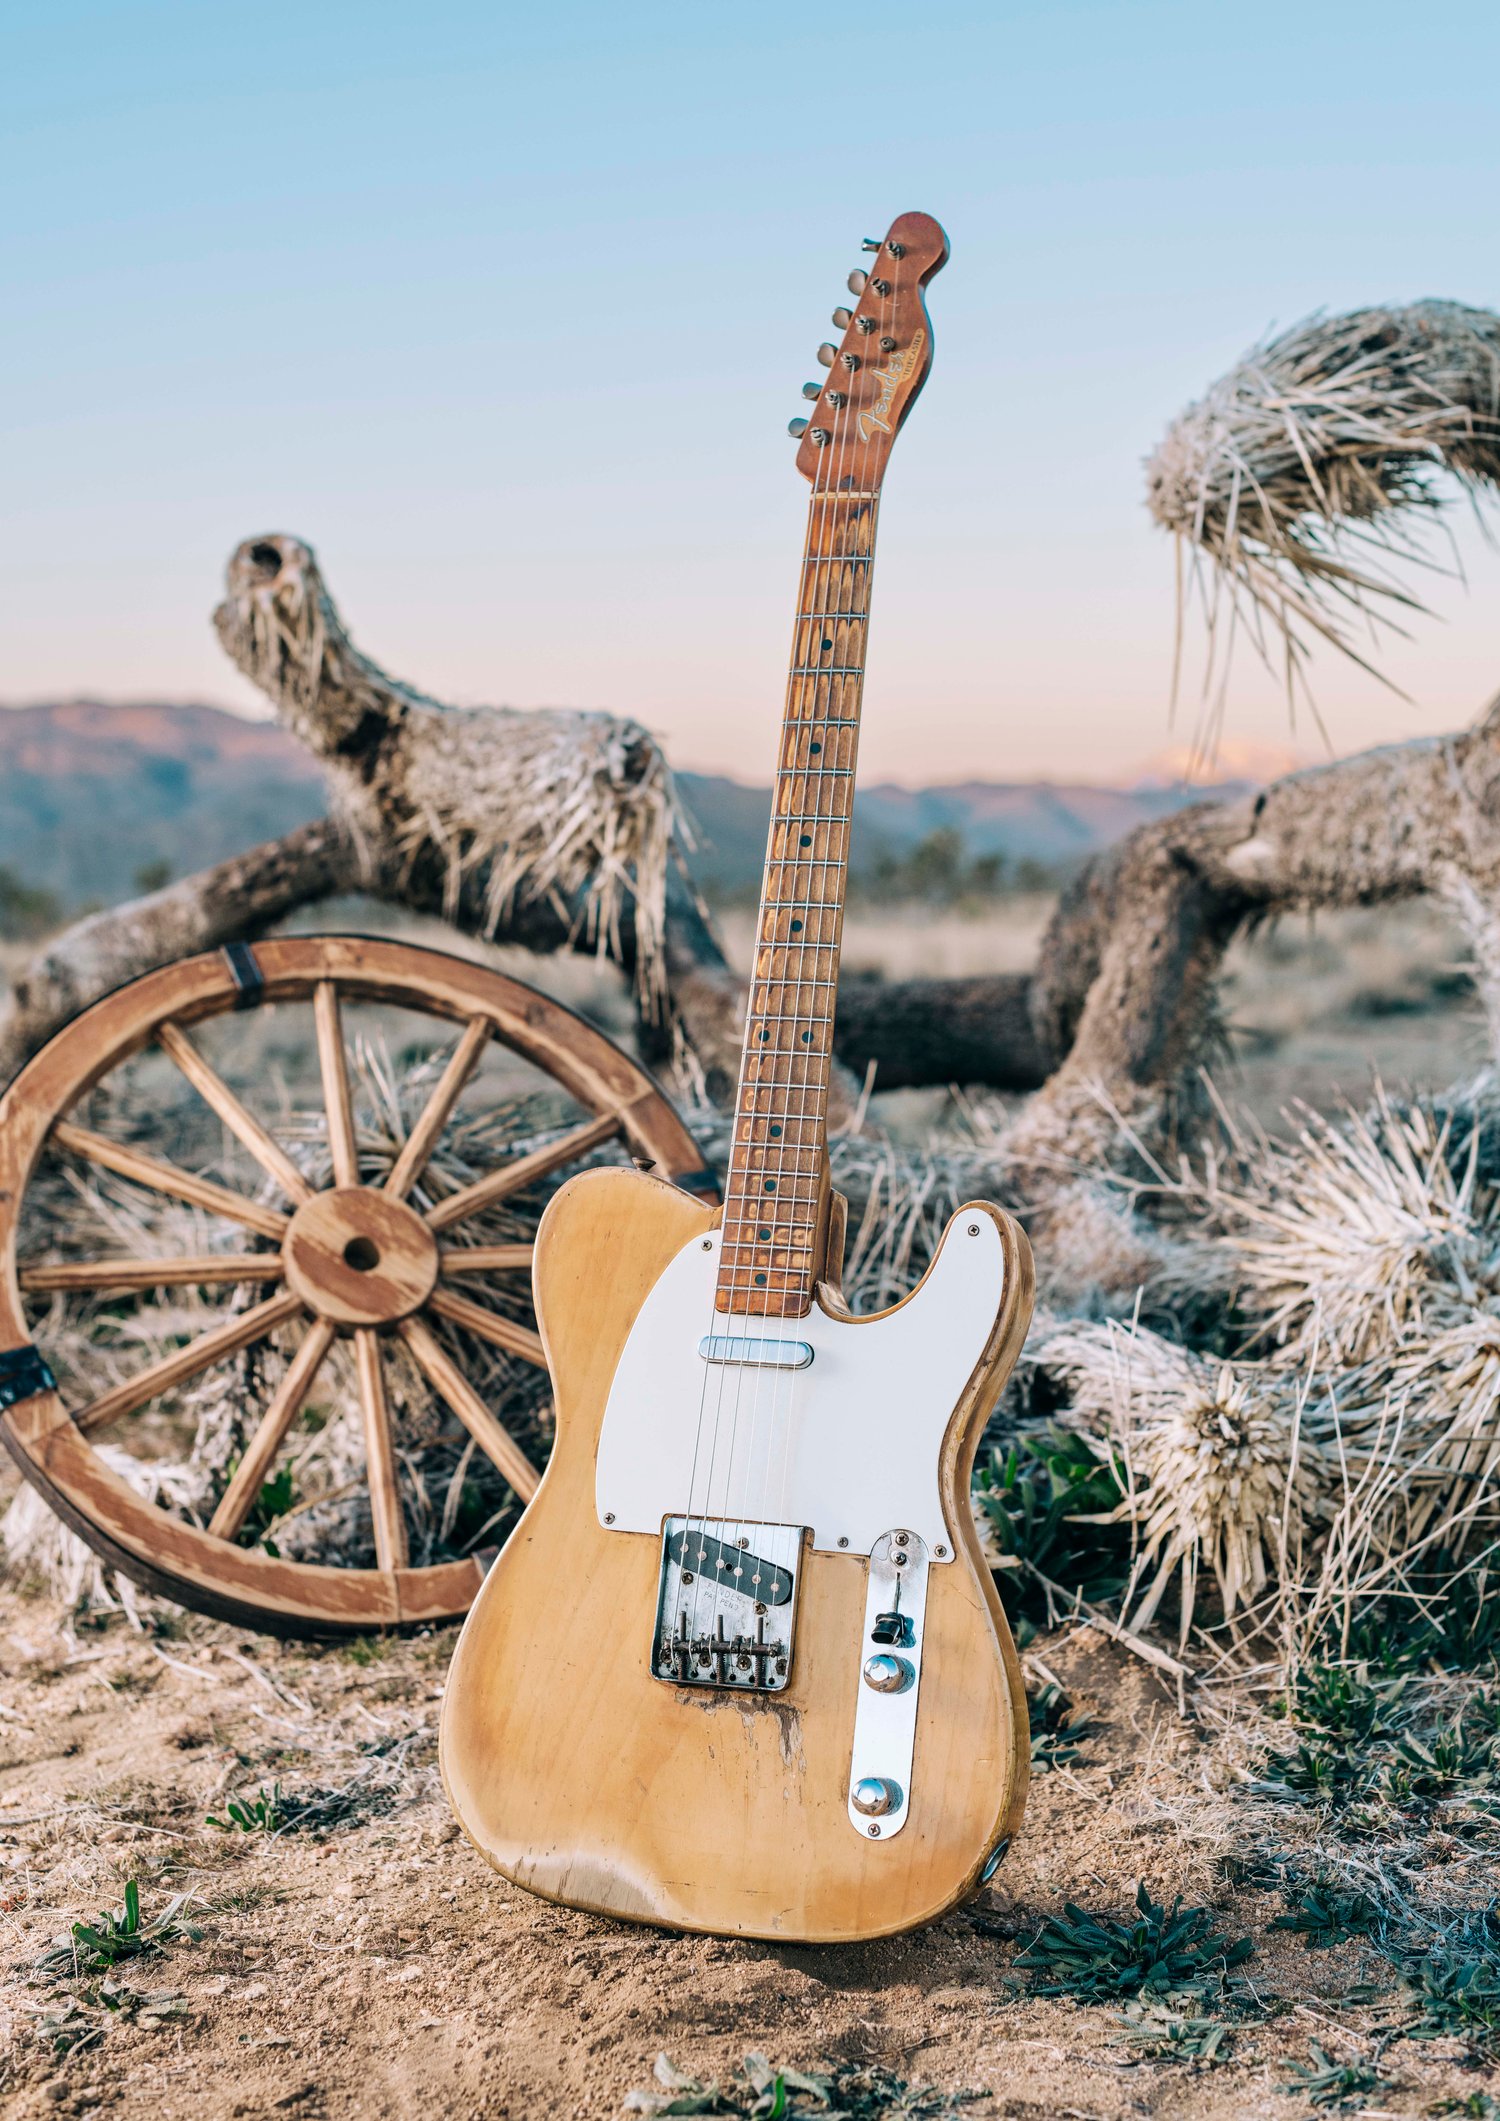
(581, 1771)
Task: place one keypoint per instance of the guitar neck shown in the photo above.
(776, 1192)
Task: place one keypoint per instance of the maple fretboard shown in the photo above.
(775, 1193)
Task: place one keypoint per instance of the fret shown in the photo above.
(776, 1189)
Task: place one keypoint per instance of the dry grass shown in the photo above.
(1300, 482)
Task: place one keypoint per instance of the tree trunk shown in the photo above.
(558, 830)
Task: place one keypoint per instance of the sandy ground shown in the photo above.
(380, 1969)
(376, 1968)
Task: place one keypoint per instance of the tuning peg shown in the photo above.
(857, 281)
(870, 243)
(827, 354)
(843, 318)
(796, 429)
(812, 390)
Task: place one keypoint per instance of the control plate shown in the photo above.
(885, 1712)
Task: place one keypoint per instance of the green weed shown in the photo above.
(1165, 2035)
(770, 2091)
(1455, 1986)
(1035, 1495)
(1324, 2082)
(97, 1947)
(1057, 1736)
(1326, 1913)
(1175, 1951)
(261, 1814)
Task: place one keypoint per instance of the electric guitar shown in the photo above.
(741, 1666)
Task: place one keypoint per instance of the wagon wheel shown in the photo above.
(351, 1254)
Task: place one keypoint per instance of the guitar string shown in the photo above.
(855, 540)
(770, 1097)
(725, 1277)
(820, 559)
(834, 544)
(779, 1386)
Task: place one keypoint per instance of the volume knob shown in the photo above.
(887, 1675)
(875, 1795)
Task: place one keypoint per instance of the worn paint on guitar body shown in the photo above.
(583, 1777)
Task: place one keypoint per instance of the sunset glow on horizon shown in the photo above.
(506, 317)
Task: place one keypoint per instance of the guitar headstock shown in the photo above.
(880, 364)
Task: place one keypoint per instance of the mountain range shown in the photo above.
(95, 795)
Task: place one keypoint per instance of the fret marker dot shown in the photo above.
(815, 749)
(826, 646)
(770, 1185)
(760, 1281)
(765, 1233)
(776, 1130)
(764, 1036)
(796, 927)
(807, 839)
(807, 1038)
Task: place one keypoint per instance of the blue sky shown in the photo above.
(505, 311)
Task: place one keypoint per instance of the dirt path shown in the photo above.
(375, 1967)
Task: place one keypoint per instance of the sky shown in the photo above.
(504, 310)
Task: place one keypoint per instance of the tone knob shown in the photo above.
(888, 1675)
(843, 318)
(796, 429)
(858, 281)
(827, 354)
(812, 390)
(875, 1795)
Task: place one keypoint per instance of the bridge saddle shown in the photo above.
(727, 1604)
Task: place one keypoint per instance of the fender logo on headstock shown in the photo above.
(890, 378)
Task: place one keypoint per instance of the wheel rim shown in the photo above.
(374, 1258)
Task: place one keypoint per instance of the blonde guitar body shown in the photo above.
(576, 1762)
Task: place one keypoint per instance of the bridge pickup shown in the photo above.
(752, 1354)
(722, 1561)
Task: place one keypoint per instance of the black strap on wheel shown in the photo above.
(23, 1374)
(244, 970)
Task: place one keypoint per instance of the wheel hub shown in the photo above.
(358, 1258)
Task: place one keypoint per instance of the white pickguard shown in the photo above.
(848, 1446)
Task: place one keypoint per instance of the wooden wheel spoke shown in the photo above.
(335, 1069)
(525, 1171)
(218, 1096)
(168, 1178)
(205, 1271)
(423, 1139)
(451, 1386)
(486, 1259)
(286, 1404)
(199, 1355)
(488, 1325)
(380, 1452)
